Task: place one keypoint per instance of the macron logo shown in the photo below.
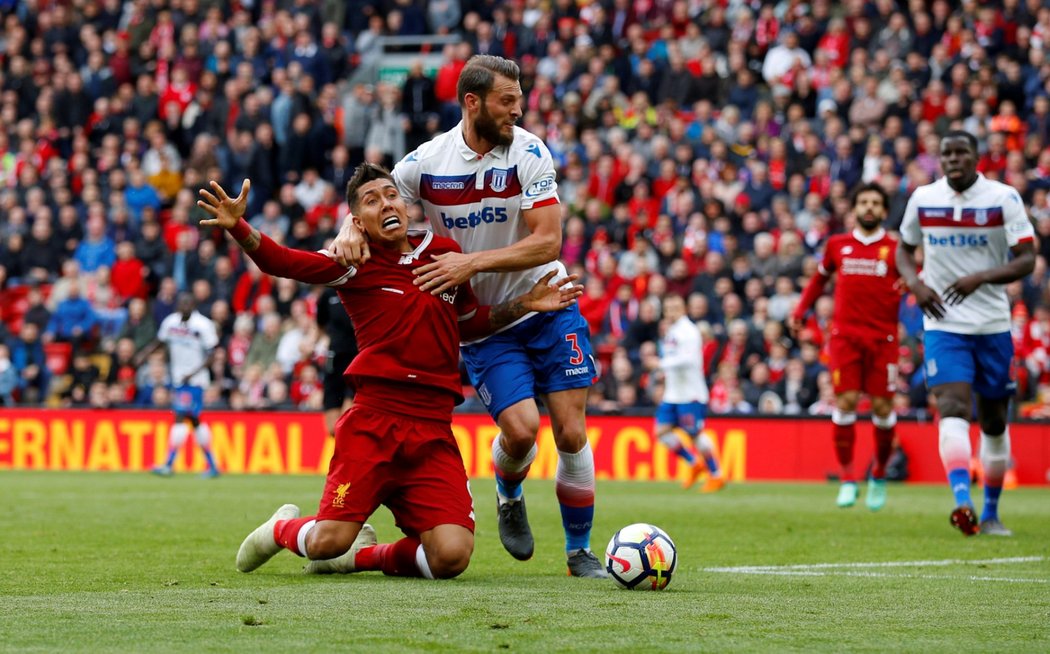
(534, 148)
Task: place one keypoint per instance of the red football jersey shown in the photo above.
(404, 335)
(866, 302)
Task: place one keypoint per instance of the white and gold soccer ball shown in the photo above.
(641, 556)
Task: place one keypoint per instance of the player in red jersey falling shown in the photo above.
(395, 446)
(863, 344)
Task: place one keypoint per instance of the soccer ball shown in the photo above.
(641, 556)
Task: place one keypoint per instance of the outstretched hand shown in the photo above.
(553, 296)
(226, 211)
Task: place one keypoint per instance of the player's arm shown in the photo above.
(544, 296)
(911, 236)
(1018, 267)
(1020, 237)
(928, 300)
(146, 351)
(814, 289)
(350, 246)
(542, 215)
(542, 245)
(272, 259)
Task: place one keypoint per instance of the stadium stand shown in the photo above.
(705, 148)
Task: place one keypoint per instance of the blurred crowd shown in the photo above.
(705, 148)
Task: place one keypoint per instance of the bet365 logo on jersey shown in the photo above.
(488, 215)
(958, 240)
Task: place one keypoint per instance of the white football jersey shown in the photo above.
(188, 344)
(682, 362)
(478, 200)
(964, 233)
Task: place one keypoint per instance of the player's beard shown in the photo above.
(869, 223)
(490, 130)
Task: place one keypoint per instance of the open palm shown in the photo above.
(547, 296)
(225, 211)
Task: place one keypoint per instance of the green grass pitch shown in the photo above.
(134, 563)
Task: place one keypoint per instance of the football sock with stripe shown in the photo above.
(845, 435)
(672, 442)
(180, 431)
(955, 455)
(707, 450)
(291, 534)
(510, 472)
(399, 559)
(203, 436)
(884, 434)
(574, 486)
(995, 457)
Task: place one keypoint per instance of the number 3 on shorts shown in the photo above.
(577, 353)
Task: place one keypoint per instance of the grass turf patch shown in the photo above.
(123, 562)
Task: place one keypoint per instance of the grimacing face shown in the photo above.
(380, 211)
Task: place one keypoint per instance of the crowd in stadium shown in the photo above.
(705, 148)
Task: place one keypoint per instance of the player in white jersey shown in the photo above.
(191, 339)
(968, 227)
(684, 402)
(491, 187)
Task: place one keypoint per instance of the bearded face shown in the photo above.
(493, 129)
(869, 221)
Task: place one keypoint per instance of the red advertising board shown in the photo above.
(758, 449)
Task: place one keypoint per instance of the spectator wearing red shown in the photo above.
(252, 285)
(993, 162)
(129, 273)
(835, 43)
(603, 181)
(593, 304)
(178, 95)
(307, 391)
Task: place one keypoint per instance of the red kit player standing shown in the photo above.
(395, 446)
(864, 347)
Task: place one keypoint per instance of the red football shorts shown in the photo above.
(412, 466)
(864, 365)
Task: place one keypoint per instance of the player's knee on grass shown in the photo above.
(329, 539)
(448, 549)
(448, 561)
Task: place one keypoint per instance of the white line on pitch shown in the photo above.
(846, 573)
(759, 569)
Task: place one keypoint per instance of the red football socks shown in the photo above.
(394, 559)
(845, 435)
(883, 450)
(286, 533)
